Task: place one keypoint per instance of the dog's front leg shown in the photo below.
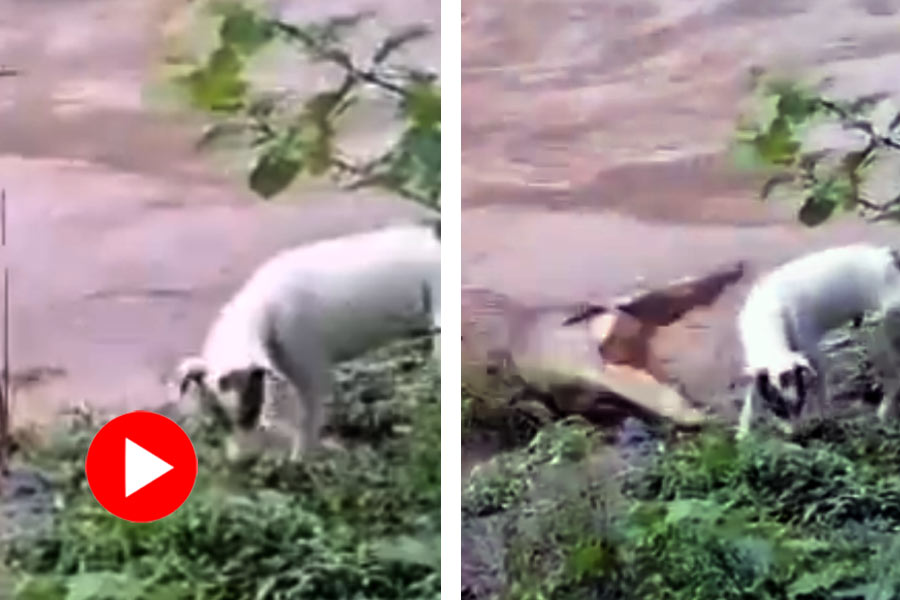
(817, 369)
(748, 410)
(887, 409)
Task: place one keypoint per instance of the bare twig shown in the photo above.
(339, 58)
(893, 204)
(884, 212)
(868, 205)
(885, 216)
(868, 100)
(774, 181)
(889, 142)
(835, 108)
(374, 78)
(346, 167)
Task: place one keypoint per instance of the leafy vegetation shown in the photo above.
(293, 134)
(829, 181)
(508, 424)
(509, 478)
(814, 516)
(357, 523)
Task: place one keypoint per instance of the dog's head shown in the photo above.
(785, 390)
(234, 395)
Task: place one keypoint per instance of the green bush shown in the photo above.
(814, 516)
(358, 523)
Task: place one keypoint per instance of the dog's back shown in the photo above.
(824, 289)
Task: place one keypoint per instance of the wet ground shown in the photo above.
(595, 148)
(123, 241)
(629, 104)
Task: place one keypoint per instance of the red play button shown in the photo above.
(141, 466)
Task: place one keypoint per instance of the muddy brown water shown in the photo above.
(123, 240)
(628, 104)
(595, 150)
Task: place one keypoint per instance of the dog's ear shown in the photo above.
(770, 395)
(895, 256)
(252, 397)
(804, 375)
(763, 383)
(191, 370)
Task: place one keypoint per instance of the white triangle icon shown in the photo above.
(141, 467)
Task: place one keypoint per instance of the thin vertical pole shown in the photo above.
(4, 394)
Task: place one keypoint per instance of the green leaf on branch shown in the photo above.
(836, 188)
(795, 105)
(415, 165)
(218, 86)
(778, 145)
(422, 105)
(816, 210)
(277, 166)
(412, 168)
(244, 30)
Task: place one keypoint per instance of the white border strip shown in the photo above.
(450, 300)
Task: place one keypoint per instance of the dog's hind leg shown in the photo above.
(886, 353)
(315, 386)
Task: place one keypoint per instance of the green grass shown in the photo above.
(816, 516)
(359, 523)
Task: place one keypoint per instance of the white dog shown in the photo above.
(307, 309)
(789, 310)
